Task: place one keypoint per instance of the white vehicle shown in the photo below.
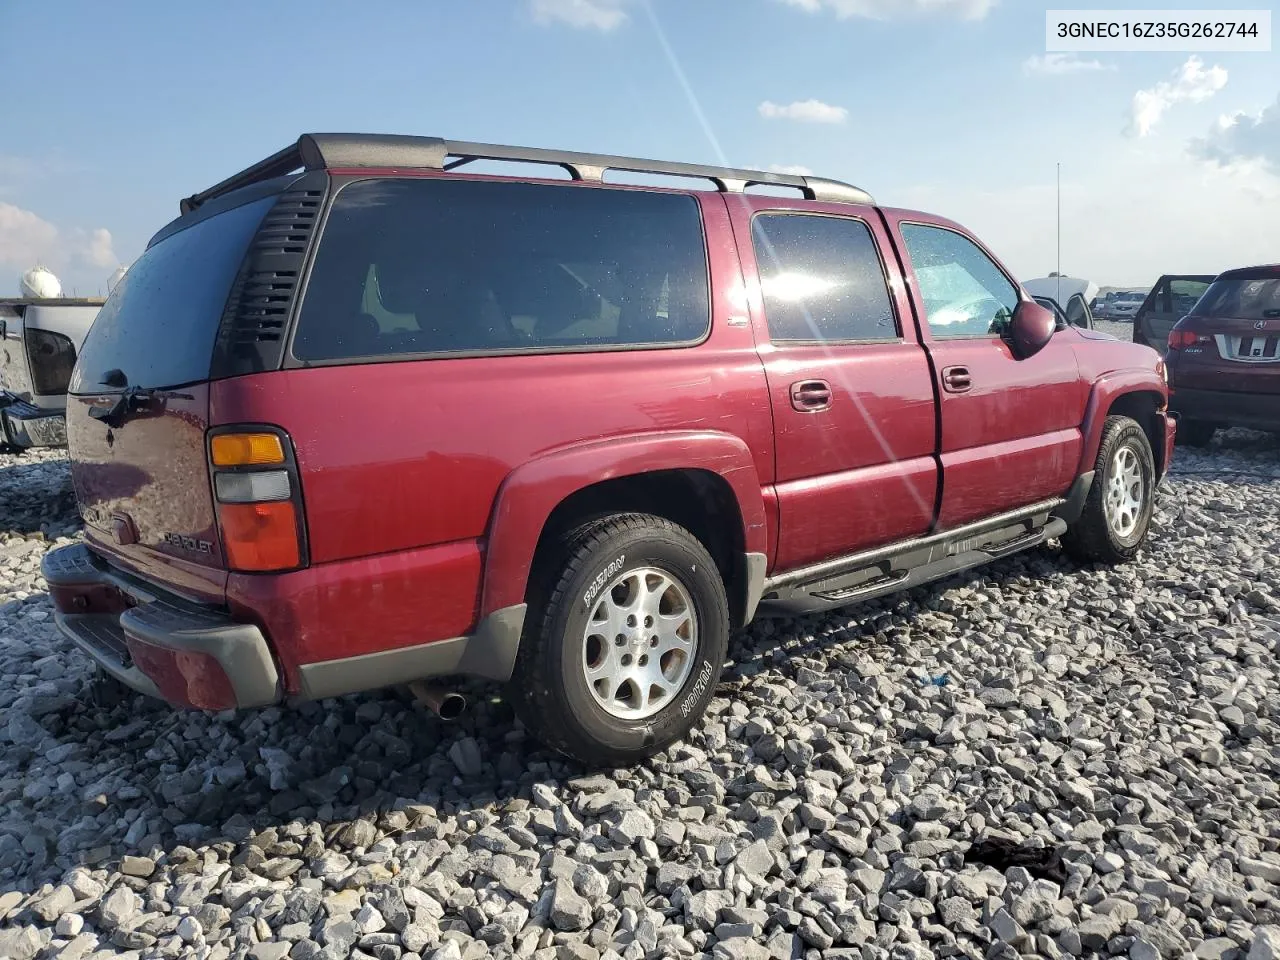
(1124, 307)
(40, 334)
(1070, 294)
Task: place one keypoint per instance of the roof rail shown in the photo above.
(320, 151)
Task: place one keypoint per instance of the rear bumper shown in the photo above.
(1259, 410)
(26, 425)
(204, 657)
(156, 644)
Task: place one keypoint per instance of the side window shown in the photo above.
(1077, 311)
(448, 266)
(822, 279)
(965, 294)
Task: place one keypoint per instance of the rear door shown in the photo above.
(1010, 428)
(139, 402)
(849, 383)
(1169, 301)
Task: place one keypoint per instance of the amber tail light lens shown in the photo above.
(258, 499)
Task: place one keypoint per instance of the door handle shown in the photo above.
(956, 380)
(811, 396)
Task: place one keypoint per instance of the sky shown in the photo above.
(1170, 162)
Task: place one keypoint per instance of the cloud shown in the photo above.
(95, 247)
(602, 15)
(1057, 64)
(1243, 139)
(25, 238)
(792, 169)
(1219, 220)
(1191, 82)
(889, 9)
(806, 111)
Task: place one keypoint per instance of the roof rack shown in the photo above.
(321, 151)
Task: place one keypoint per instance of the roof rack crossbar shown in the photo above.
(315, 151)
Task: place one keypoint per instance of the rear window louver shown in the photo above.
(254, 323)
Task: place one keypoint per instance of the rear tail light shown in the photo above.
(258, 500)
(1180, 337)
(52, 358)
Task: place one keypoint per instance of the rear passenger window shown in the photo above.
(821, 278)
(452, 266)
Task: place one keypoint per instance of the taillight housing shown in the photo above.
(1180, 337)
(258, 499)
(51, 357)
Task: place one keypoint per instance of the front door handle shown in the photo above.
(956, 380)
(811, 396)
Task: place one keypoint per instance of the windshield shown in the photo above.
(1242, 297)
(159, 324)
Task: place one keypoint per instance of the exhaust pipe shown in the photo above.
(445, 704)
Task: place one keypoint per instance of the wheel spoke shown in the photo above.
(640, 643)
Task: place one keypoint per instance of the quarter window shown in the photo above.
(965, 294)
(822, 279)
(450, 266)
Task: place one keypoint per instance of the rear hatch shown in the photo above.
(138, 407)
(1238, 348)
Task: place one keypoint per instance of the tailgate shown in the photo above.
(143, 488)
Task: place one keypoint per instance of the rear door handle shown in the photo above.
(956, 380)
(811, 396)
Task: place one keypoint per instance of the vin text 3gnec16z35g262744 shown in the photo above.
(568, 434)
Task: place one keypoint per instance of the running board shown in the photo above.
(885, 570)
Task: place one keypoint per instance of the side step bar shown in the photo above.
(884, 570)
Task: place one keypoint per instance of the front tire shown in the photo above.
(621, 655)
(1117, 513)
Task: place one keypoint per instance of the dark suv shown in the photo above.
(1224, 356)
(361, 416)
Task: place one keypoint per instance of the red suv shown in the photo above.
(1224, 356)
(363, 415)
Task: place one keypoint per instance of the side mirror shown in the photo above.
(1031, 328)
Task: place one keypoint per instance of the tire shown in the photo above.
(1194, 433)
(1117, 513)
(561, 687)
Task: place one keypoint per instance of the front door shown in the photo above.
(1010, 428)
(849, 383)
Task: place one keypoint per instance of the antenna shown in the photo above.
(1059, 296)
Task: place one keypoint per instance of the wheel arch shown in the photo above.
(1137, 394)
(704, 481)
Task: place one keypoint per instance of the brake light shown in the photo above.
(1181, 338)
(258, 500)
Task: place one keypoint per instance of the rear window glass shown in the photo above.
(444, 266)
(159, 324)
(1242, 298)
(821, 278)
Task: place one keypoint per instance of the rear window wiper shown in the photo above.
(131, 400)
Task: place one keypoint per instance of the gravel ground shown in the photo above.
(1033, 759)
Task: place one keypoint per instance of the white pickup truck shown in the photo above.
(39, 340)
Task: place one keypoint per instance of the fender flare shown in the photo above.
(534, 489)
(1106, 390)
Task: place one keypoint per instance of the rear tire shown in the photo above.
(1194, 433)
(624, 643)
(1117, 513)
